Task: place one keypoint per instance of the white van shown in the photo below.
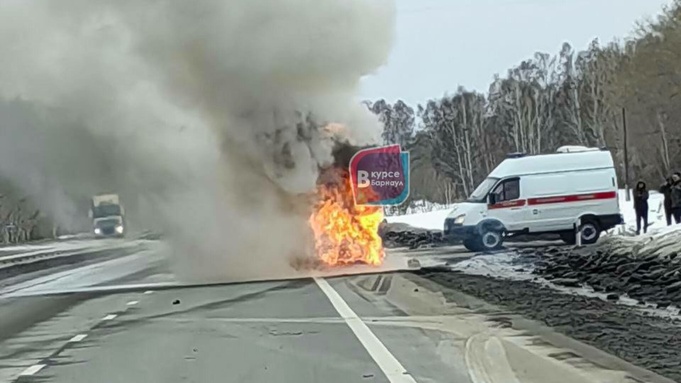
(540, 194)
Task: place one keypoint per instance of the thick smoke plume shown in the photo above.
(211, 118)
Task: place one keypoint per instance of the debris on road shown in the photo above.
(647, 273)
(395, 235)
(176, 302)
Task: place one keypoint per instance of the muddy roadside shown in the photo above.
(651, 342)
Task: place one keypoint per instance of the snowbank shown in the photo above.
(432, 220)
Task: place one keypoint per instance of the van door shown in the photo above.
(508, 207)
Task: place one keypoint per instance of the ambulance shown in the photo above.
(571, 192)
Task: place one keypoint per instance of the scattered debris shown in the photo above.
(412, 238)
(285, 333)
(176, 302)
(611, 268)
(307, 263)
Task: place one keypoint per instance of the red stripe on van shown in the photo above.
(505, 204)
(572, 198)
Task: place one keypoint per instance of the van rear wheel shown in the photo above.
(590, 230)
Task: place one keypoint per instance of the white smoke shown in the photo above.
(204, 115)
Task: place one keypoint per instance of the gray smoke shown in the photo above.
(207, 116)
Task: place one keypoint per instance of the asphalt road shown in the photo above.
(345, 329)
(302, 330)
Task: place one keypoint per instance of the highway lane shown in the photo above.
(379, 328)
(290, 328)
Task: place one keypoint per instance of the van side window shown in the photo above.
(507, 190)
(511, 189)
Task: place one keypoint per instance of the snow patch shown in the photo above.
(497, 265)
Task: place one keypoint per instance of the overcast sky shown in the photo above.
(441, 44)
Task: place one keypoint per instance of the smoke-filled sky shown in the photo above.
(441, 44)
(207, 116)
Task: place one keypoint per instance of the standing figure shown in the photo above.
(676, 197)
(641, 206)
(666, 190)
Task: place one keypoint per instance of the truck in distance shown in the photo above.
(107, 216)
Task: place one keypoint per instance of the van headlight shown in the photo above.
(119, 229)
(98, 230)
(459, 219)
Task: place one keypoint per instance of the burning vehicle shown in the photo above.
(344, 233)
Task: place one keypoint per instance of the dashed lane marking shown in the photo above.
(110, 317)
(32, 370)
(132, 303)
(390, 366)
(78, 338)
(148, 292)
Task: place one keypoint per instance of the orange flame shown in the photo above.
(345, 233)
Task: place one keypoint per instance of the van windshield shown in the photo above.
(481, 191)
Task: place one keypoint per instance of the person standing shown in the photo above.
(676, 196)
(666, 190)
(641, 206)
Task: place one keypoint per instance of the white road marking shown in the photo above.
(390, 366)
(255, 320)
(132, 303)
(149, 292)
(32, 370)
(78, 338)
(110, 317)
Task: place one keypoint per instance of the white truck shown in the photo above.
(107, 216)
(572, 190)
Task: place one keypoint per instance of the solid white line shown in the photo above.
(132, 303)
(32, 370)
(78, 338)
(110, 317)
(390, 366)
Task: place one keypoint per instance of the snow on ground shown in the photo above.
(24, 247)
(656, 218)
(8, 252)
(432, 220)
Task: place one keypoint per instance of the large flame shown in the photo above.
(345, 233)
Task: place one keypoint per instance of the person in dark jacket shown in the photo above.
(675, 195)
(666, 190)
(641, 206)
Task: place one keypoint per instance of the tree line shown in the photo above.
(547, 101)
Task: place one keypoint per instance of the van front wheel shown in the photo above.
(491, 240)
(488, 241)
